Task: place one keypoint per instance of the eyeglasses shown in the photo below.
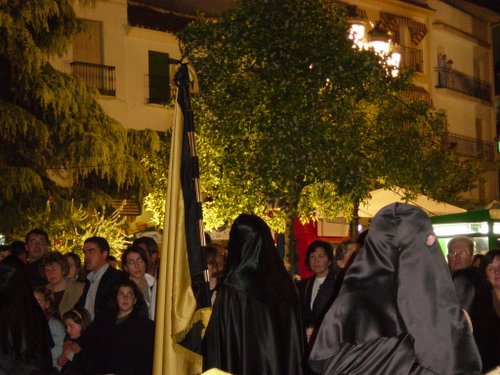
(459, 253)
(131, 262)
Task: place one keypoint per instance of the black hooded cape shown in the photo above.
(25, 339)
(255, 323)
(397, 312)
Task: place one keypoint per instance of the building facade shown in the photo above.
(126, 63)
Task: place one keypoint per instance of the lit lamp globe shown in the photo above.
(379, 40)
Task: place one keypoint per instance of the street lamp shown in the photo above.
(377, 39)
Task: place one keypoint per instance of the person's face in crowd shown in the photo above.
(126, 300)
(351, 249)
(212, 269)
(493, 273)
(152, 258)
(36, 246)
(73, 271)
(135, 266)
(319, 262)
(459, 256)
(54, 273)
(74, 329)
(4, 254)
(94, 257)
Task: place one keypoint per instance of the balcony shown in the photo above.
(102, 77)
(412, 58)
(470, 147)
(458, 81)
(158, 89)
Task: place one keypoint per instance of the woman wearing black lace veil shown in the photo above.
(397, 312)
(255, 323)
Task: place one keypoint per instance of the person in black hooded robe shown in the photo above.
(25, 339)
(397, 312)
(255, 324)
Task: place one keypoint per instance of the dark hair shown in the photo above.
(134, 249)
(75, 257)
(78, 264)
(314, 245)
(18, 248)
(38, 232)
(48, 295)
(488, 258)
(361, 238)
(140, 306)
(101, 243)
(80, 316)
(55, 257)
(476, 257)
(341, 250)
(151, 245)
(215, 258)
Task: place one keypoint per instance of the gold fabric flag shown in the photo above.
(178, 309)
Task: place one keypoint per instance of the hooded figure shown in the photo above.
(397, 312)
(255, 324)
(25, 339)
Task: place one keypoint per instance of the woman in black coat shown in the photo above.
(318, 291)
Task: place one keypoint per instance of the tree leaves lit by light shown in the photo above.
(294, 122)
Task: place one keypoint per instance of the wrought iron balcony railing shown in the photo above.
(102, 77)
(463, 83)
(159, 89)
(412, 58)
(470, 147)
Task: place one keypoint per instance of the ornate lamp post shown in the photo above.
(377, 39)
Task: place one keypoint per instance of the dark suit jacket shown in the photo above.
(326, 294)
(104, 294)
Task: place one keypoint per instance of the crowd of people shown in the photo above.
(387, 303)
(59, 317)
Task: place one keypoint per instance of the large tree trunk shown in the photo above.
(290, 254)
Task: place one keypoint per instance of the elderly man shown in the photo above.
(460, 253)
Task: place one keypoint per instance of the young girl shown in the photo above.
(122, 339)
(73, 360)
(45, 299)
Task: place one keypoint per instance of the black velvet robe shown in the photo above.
(25, 339)
(397, 312)
(255, 324)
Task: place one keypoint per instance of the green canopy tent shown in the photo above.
(482, 225)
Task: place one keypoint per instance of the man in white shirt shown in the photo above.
(101, 278)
